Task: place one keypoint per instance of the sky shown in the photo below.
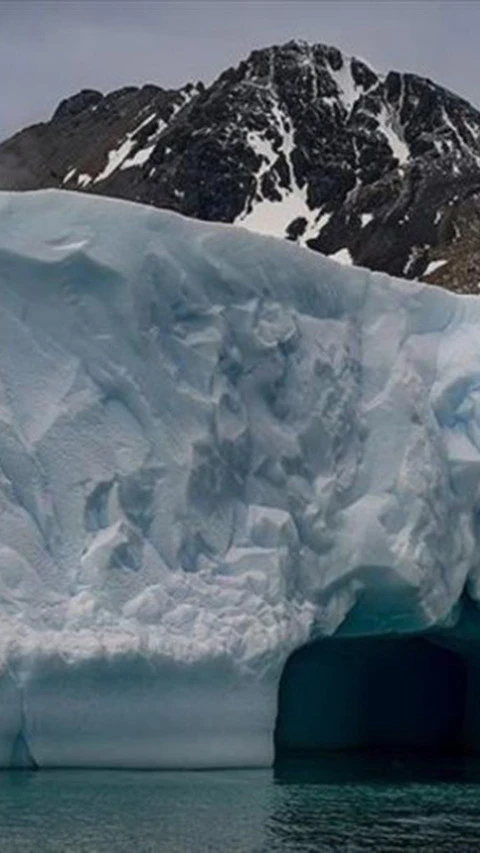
(50, 49)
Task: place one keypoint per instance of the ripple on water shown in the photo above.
(232, 812)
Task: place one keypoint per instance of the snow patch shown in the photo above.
(435, 265)
(68, 177)
(273, 217)
(139, 158)
(348, 90)
(342, 256)
(387, 125)
(120, 158)
(84, 180)
(114, 159)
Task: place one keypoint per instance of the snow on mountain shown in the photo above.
(299, 141)
(214, 447)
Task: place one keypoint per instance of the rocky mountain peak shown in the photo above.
(299, 141)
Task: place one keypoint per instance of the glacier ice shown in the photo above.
(214, 447)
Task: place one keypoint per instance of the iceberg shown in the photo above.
(216, 449)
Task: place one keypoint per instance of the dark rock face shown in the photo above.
(298, 141)
(77, 104)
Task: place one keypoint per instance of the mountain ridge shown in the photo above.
(299, 141)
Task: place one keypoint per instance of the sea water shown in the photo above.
(299, 808)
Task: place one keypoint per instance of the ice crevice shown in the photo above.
(21, 756)
(217, 448)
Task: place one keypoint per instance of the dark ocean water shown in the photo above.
(299, 809)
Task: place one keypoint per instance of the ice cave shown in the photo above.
(370, 694)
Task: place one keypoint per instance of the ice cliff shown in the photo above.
(214, 446)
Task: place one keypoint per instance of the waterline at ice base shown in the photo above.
(239, 496)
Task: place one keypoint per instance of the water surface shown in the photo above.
(298, 809)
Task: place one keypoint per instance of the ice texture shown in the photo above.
(214, 446)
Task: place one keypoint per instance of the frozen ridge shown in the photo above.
(213, 447)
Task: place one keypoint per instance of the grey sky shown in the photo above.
(52, 48)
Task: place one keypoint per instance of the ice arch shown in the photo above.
(372, 694)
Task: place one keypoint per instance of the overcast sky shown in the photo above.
(50, 49)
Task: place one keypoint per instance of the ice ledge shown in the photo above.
(135, 713)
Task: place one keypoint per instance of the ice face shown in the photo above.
(213, 447)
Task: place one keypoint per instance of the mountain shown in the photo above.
(298, 141)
